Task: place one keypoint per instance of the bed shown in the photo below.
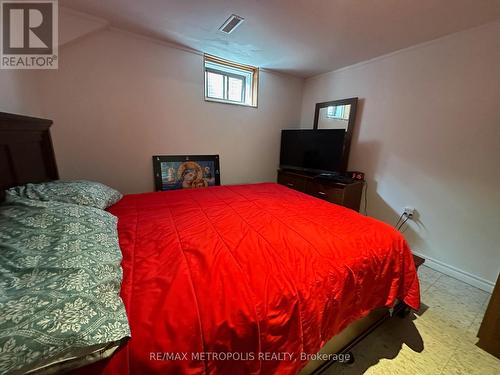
(250, 279)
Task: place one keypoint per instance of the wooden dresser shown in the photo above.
(489, 333)
(347, 195)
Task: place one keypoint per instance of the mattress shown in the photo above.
(248, 279)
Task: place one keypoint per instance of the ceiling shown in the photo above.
(299, 37)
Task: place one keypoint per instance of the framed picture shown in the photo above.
(185, 171)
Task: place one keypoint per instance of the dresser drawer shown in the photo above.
(343, 194)
(326, 192)
(292, 181)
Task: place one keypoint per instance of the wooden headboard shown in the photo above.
(26, 152)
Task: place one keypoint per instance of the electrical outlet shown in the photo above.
(409, 211)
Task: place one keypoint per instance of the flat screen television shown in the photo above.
(319, 150)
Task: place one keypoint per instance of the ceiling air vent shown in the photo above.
(231, 23)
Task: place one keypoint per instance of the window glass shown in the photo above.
(229, 82)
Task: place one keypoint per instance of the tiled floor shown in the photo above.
(438, 339)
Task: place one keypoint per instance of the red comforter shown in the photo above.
(258, 272)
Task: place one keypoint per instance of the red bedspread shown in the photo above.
(246, 270)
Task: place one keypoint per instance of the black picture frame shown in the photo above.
(173, 172)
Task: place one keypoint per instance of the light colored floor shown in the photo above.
(438, 339)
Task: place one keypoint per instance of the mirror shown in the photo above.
(337, 114)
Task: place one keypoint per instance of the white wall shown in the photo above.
(118, 98)
(74, 25)
(428, 136)
(19, 93)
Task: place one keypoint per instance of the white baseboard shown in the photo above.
(457, 273)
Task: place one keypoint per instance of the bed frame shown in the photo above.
(27, 155)
(26, 151)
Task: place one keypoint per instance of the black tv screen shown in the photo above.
(312, 150)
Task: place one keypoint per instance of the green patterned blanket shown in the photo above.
(60, 279)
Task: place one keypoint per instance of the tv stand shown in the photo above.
(335, 189)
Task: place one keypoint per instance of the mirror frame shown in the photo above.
(350, 125)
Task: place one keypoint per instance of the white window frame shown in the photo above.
(248, 74)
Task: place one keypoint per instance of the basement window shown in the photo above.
(338, 112)
(230, 82)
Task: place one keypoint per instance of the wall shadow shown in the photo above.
(365, 156)
(384, 212)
